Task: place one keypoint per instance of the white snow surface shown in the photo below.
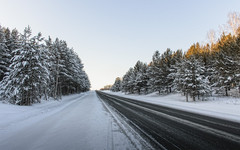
(79, 121)
(221, 107)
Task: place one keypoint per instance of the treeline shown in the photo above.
(196, 73)
(106, 87)
(32, 67)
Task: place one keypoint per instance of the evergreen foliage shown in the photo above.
(117, 86)
(195, 73)
(31, 68)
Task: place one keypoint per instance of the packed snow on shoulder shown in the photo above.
(220, 107)
(14, 117)
(79, 121)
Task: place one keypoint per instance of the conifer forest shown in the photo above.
(33, 67)
(198, 72)
(120, 75)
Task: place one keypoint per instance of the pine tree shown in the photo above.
(31, 68)
(127, 82)
(28, 75)
(67, 74)
(138, 73)
(85, 84)
(237, 60)
(191, 80)
(182, 78)
(155, 73)
(117, 86)
(198, 70)
(4, 55)
(56, 64)
(144, 78)
(225, 65)
(80, 81)
(175, 65)
(165, 63)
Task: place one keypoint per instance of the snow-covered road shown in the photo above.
(84, 124)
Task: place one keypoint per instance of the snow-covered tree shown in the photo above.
(67, 74)
(166, 63)
(225, 63)
(28, 74)
(237, 62)
(142, 79)
(128, 80)
(216, 64)
(4, 55)
(117, 86)
(155, 73)
(84, 83)
(175, 65)
(190, 78)
(31, 68)
(140, 82)
(80, 80)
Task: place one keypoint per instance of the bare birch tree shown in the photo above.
(211, 36)
(233, 22)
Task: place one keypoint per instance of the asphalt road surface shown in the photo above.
(168, 128)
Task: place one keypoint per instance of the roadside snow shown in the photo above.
(220, 107)
(77, 122)
(14, 117)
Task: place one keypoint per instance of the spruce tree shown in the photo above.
(4, 55)
(116, 87)
(127, 82)
(225, 65)
(155, 73)
(28, 74)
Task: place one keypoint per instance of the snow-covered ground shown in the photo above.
(14, 117)
(83, 121)
(80, 121)
(221, 107)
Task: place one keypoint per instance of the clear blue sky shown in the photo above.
(112, 35)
